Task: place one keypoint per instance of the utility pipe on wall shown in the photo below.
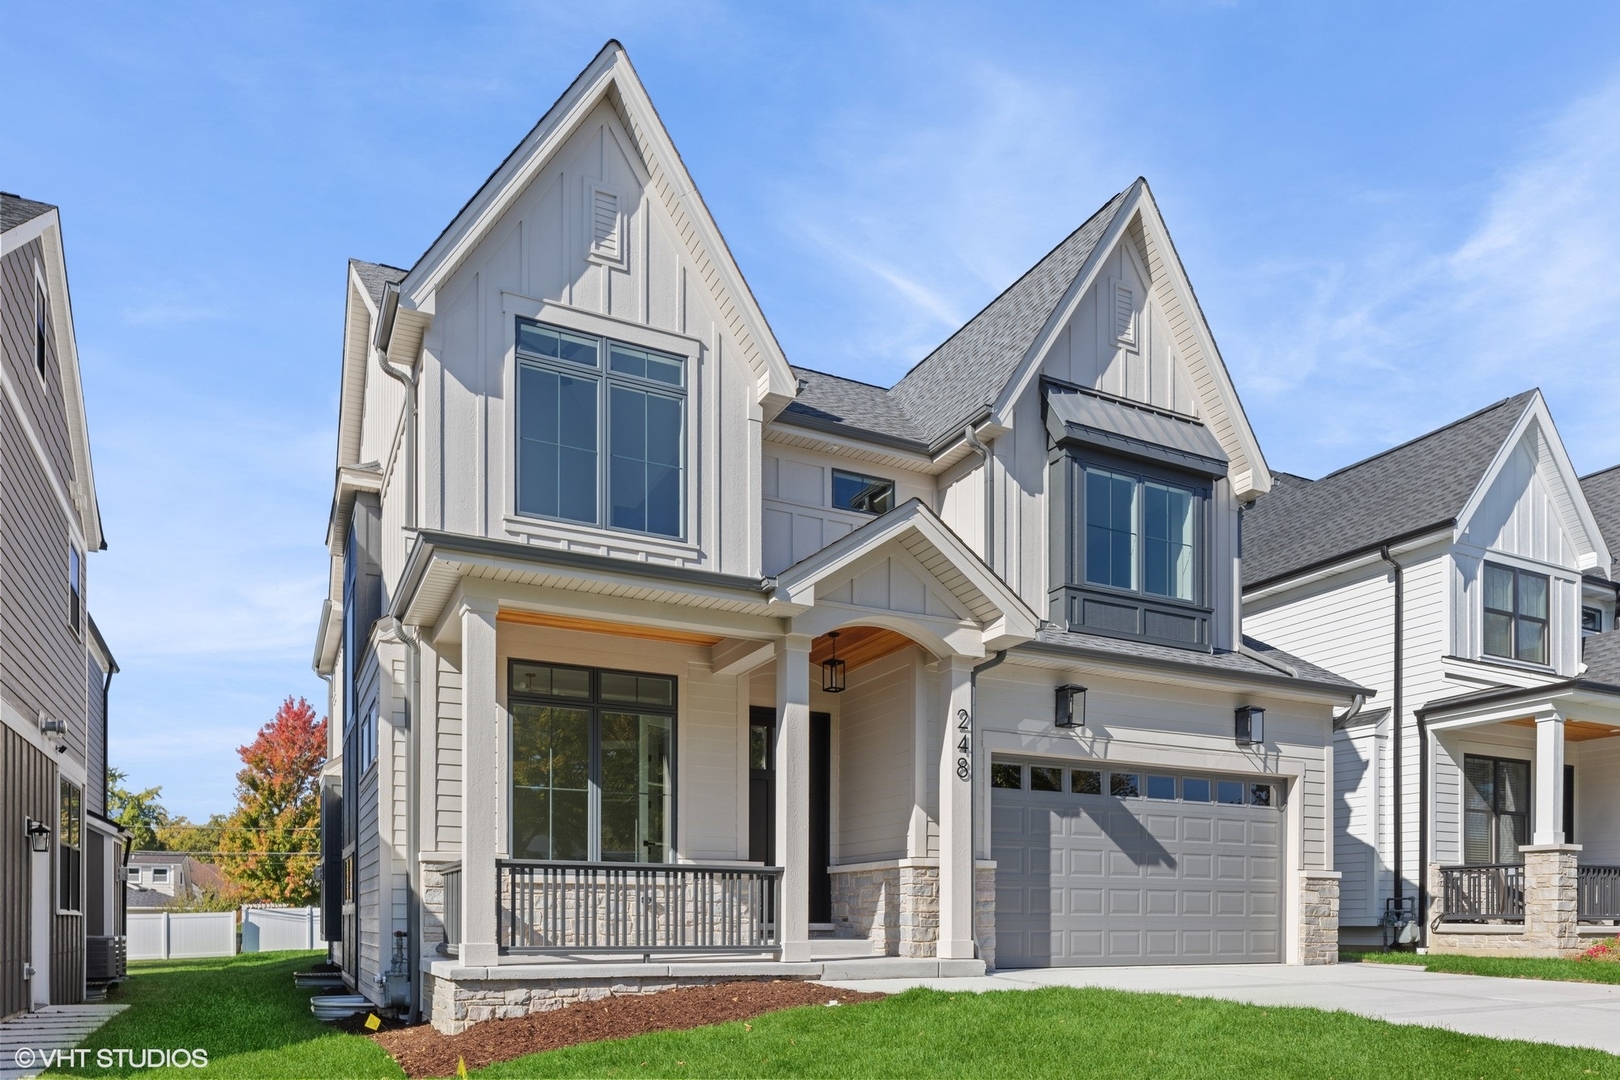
(1400, 721)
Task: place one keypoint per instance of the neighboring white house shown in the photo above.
(1464, 576)
(655, 652)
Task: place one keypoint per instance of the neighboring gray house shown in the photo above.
(650, 650)
(61, 922)
(1466, 577)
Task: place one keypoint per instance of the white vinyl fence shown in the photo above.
(162, 935)
(268, 929)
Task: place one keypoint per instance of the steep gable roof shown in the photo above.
(610, 77)
(966, 374)
(1417, 486)
(376, 275)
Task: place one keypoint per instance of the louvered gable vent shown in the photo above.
(607, 239)
(1124, 315)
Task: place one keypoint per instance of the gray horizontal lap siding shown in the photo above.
(95, 770)
(27, 781)
(41, 662)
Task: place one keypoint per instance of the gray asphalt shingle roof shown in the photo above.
(1418, 485)
(1280, 665)
(375, 275)
(1601, 652)
(16, 210)
(953, 384)
(1602, 490)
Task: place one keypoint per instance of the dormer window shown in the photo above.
(601, 432)
(1516, 618)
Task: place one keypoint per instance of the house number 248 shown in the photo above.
(964, 766)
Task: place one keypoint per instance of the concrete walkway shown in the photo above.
(29, 1041)
(1567, 1013)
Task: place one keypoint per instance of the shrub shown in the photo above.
(1603, 951)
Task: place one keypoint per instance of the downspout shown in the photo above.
(973, 801)
(980, 448)
(413, 669)
(1400, 720)
(1423, 831)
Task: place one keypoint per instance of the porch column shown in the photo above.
(793, 794)
(480, 785)
(1547, 824)
(956, 814)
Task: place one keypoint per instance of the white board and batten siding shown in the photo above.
(876, 754)
(797, 513)
(546, 249)
(447, 756)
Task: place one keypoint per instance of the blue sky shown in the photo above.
(1391, 217)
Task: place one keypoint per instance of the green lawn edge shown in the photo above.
(1551, 969)
(243, 1010)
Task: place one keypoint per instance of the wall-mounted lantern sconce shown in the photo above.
(1071, 707)
(39, 836)
(832, 669)
(1251, 725)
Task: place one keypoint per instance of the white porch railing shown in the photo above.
(556, 907)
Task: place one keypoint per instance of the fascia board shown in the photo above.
(30, 230)
(1256, 480)
(1030, 365)
(484, 210)
(83, 487)
(1597, 552)
(1038, 654)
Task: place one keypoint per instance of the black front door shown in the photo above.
(762, 801)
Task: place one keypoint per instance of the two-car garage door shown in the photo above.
(1098, 867)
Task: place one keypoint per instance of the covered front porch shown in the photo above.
(1524, 816)
(667, 796)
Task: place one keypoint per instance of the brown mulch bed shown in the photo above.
(423, 1052)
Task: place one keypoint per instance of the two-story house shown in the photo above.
(61, 925)
(1464, 576)
(660, 660)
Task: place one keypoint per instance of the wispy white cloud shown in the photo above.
(1527, 294)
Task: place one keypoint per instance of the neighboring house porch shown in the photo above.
(1526, 816)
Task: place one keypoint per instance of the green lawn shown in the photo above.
(1060, 1032)
(1505, 967)
(244, 1011)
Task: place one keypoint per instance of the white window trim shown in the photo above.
(513, 306)
(42, 307)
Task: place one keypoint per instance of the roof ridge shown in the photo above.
(1598, 472)
(1476, 414)
(385, 266)
(1036, 265)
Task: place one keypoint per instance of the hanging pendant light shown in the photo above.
(832, 669)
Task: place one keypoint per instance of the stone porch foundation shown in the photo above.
(894, 905)
(1550, 926)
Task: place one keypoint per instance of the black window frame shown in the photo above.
(606, 379)
(1515, 617)
(1095, 608)
(1494, 813)
(1596, 619)
(867, 483)
(595, 705)
(69, 846)
(75, 590)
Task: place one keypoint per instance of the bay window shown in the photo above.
(601, 432)
(1133, 551)
(592, 775)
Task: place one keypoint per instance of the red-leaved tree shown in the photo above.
(273, 835)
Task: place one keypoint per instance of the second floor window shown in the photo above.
(868, 494)
(1140, 534)
(1516, 614)
(1591, 620)
(75, 589)
(41, 328)
(601, 432)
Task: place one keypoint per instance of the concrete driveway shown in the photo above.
(1571, 1014)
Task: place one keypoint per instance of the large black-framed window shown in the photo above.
(593, 763)
(1496, 809)
(1516, 614)
(601, 432)
(1134, 543)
